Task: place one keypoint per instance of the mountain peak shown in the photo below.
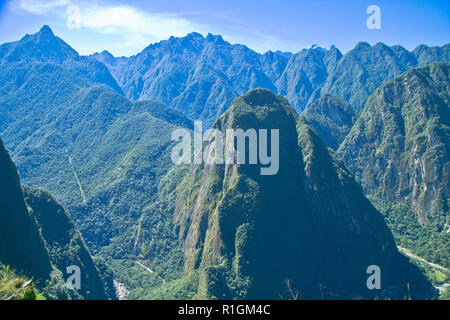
(105, 57)
(332, 117)
(261, 96)
(362, 44)
(282, 224)
(194, 35)
(317, 47)
(108, 55)
(381, 46)
(106, 52)
(41, 46)
(214, 38)
(391, 109)
(45, 30)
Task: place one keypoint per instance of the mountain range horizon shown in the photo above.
(210, 35)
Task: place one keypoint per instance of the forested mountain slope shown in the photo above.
(39, 240)
(399, 146)
(332, 118)
(202, 75)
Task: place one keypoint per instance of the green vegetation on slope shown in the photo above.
(14, 287)
(41, 241)
(310, 223)
(21, 245)
(98, 154)
(399, 151)
(332, 118)
(400, 145)
(430, 241)
(65, 244)
(106, 159)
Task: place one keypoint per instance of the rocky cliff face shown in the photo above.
(399, 147)
(21, 245)
(310, 223)
(332, 118)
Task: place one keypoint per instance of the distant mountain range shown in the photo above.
(202, 75)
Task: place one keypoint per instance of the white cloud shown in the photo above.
(42, 7)
(136, 24)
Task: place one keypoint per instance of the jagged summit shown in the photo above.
(21, 245)
(46, 30)
(42, 46)
(194, 35)
(215, 38)
(201, 76)
(106, 158)
(285, 54)
(106, 52)
(317, 47)
(362, 44)
(106, 57)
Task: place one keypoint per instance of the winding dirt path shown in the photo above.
(150, 270)
(408, 253)
(412, 255)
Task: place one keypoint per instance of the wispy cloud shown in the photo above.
(42, 7)
(131, 28)
(127, 20)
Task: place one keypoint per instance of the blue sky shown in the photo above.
(126, 27)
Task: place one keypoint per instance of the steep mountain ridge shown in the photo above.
(21, 245)
(38, 75)
(310, 223)
(91, 179)
(399, 146)
(39, 240)
(305, 74)
(332, 118)
(65, 244)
